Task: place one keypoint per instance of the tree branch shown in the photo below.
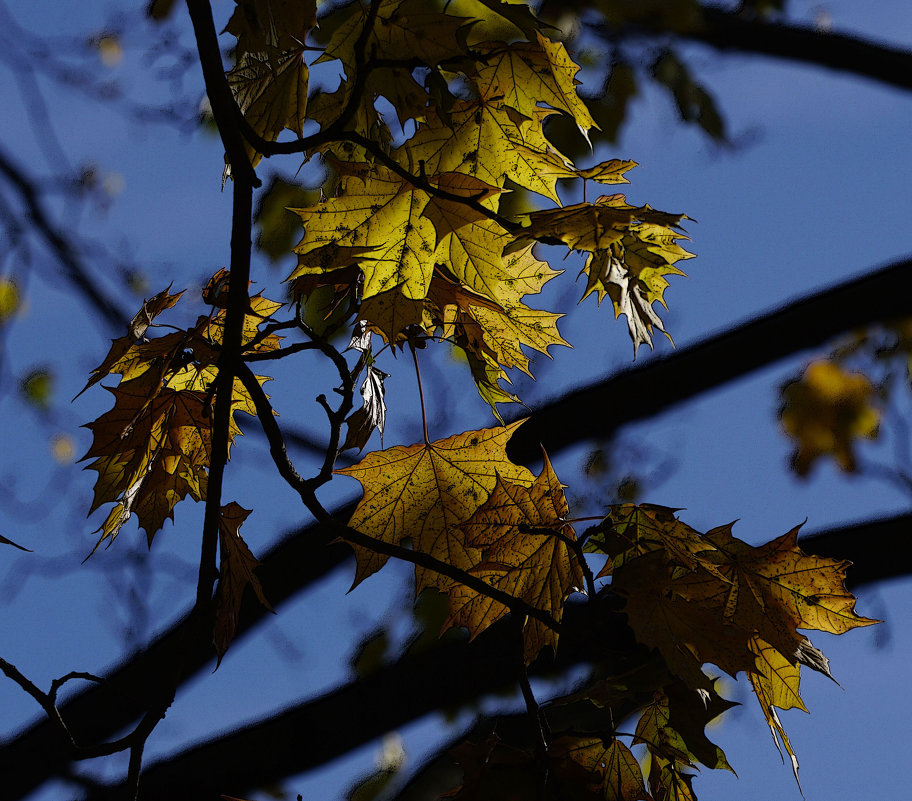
(97, 713)
(726, 30)
(225, 110)
(73, 268)
(449, 675)
(731, 31)
(597, 411)
(879, 549)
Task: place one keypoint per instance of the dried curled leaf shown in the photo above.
(236, 573)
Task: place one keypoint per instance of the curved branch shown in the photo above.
(305, 491)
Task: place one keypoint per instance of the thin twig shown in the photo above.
(308, 498)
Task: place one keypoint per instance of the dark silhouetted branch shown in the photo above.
(597, 411)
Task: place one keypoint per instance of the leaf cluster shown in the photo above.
(415, 239)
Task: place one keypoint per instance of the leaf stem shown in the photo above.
(427, 440)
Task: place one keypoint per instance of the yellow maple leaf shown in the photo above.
(775, 678)
(380, 211)
(526, 74)
(523, 534)
(270, 78)
(488, 140)
(775, 682)
(825, 411)
(118, 358)
(421, 492)
(774, 589)
(153, 448)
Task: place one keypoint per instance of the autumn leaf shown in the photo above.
(153, 448)
(526, 74)
(774, 589)
(380, 211)
(372, 414)
(270, 77)
(422, 492)
(493, 334)
(631, 530)
(775, 683)
(140, 323)
(686, 634)
(236, 573)
(612, 762)
(488, 141)
(825, 411)
(526, 545)
(403, 30)
(614, 280)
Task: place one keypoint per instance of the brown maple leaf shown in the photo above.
(527, 552)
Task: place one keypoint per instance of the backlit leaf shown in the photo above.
(421, 492)
(525, 542)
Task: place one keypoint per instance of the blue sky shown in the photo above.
(820, 193)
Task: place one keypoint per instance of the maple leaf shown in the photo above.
(526, 74)
(621, 778)
(371, 415)
(153, 448)
(825, 411)
(685, 633)
(270, 78)
(493, 334)
(775, 681)
(380, 211)
(489, 141)
(117, 355)
(527, 552)
(421, 492)
(631, 530)
(774, 589)
(236, 573)
(553, 164)
(403, 30)
(628, 298)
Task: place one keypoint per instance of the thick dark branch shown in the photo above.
(451, 674)
(728, 31)
(597, 411)
(225, 110)
(101, 711)
(879, 550)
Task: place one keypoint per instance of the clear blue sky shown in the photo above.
(820, 192)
